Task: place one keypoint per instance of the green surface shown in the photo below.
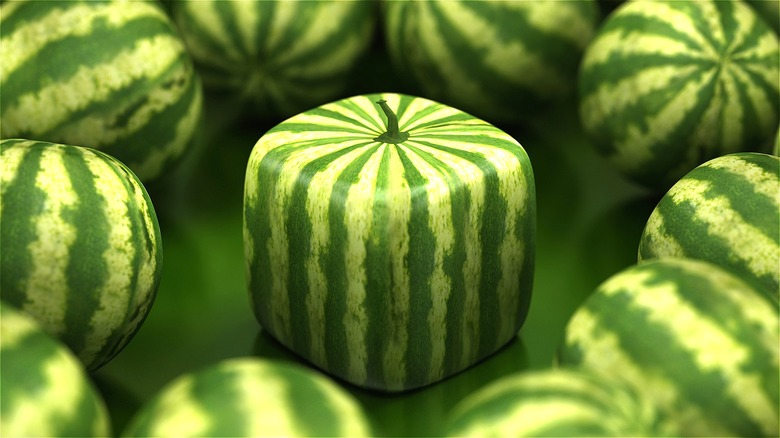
(589, 222)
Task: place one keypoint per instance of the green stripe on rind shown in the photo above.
(724, 212)
(283, 57)
(497, 60)
(250, 397)
(694, 339)
(554, 403)
(81, 246)
(667, 85)
(390, 266)
(45, 391)
(133, 95)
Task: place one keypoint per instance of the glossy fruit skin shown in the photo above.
(554, 403)
(661, 86)
(389, 265)
(692, 338)
(250, 397)
(81, 249)
(276, 58)
(45, 390)
(725, 212)
(501, 61)
(110, 75)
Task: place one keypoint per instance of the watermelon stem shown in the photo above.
(393, 134)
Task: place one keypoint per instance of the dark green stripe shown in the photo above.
(365, 115)
(228, 20)
(380, 296)
(28, 12)
(22, 200)
(87, 271)
(310, 406)
(335, 265)
(218, 393)
(420, 264)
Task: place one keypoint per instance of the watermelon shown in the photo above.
(277, 57)
(769, 10)
(250, 397)
(776, 149)
(499, 60)
(694, 339)
(727, 212)
(45, 390)
(389, 255)
(554, 403)
(110, 75)
(667, 85)
(80, 246)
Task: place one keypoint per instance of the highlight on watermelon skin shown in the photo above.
(389, 264)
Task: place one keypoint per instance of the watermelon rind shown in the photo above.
(81, 249)
(389, 265)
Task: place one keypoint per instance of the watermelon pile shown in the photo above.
(394, 191)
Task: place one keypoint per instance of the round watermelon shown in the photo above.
(499, 60)
(727, 212)
(667, 85)
(692, 338)
(276, 58)
(554, 403)
(81, 249)
(389, 239)
(45, 390)
(250, 397)
(110, 75)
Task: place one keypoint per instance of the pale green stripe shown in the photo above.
(26, 42)
(724, 223)
(407, 123)
(285, 13)
(266, 394)
(681, 21)
(47, 284)
(764, 48)
(339, 60)
(357, 222)
(330, 18)
(397, 337)
(148, 59)
(348, 414)
(440, 225)
(662, 243)
(731, 115)
(247, 20)
(746, 19)
(763, 104)
(635, 148)
(176, 413)
(318, 208)
(711, 347)
(114, 294)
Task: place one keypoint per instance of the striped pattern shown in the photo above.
(111, 75)
(250, 397)
(81, 248)
(554, 403)
(498, 60)
(769, 10)
(696, 340)
(389, 265)
(668, 85)
(282, 57)
(727, 212)
(44, 391)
